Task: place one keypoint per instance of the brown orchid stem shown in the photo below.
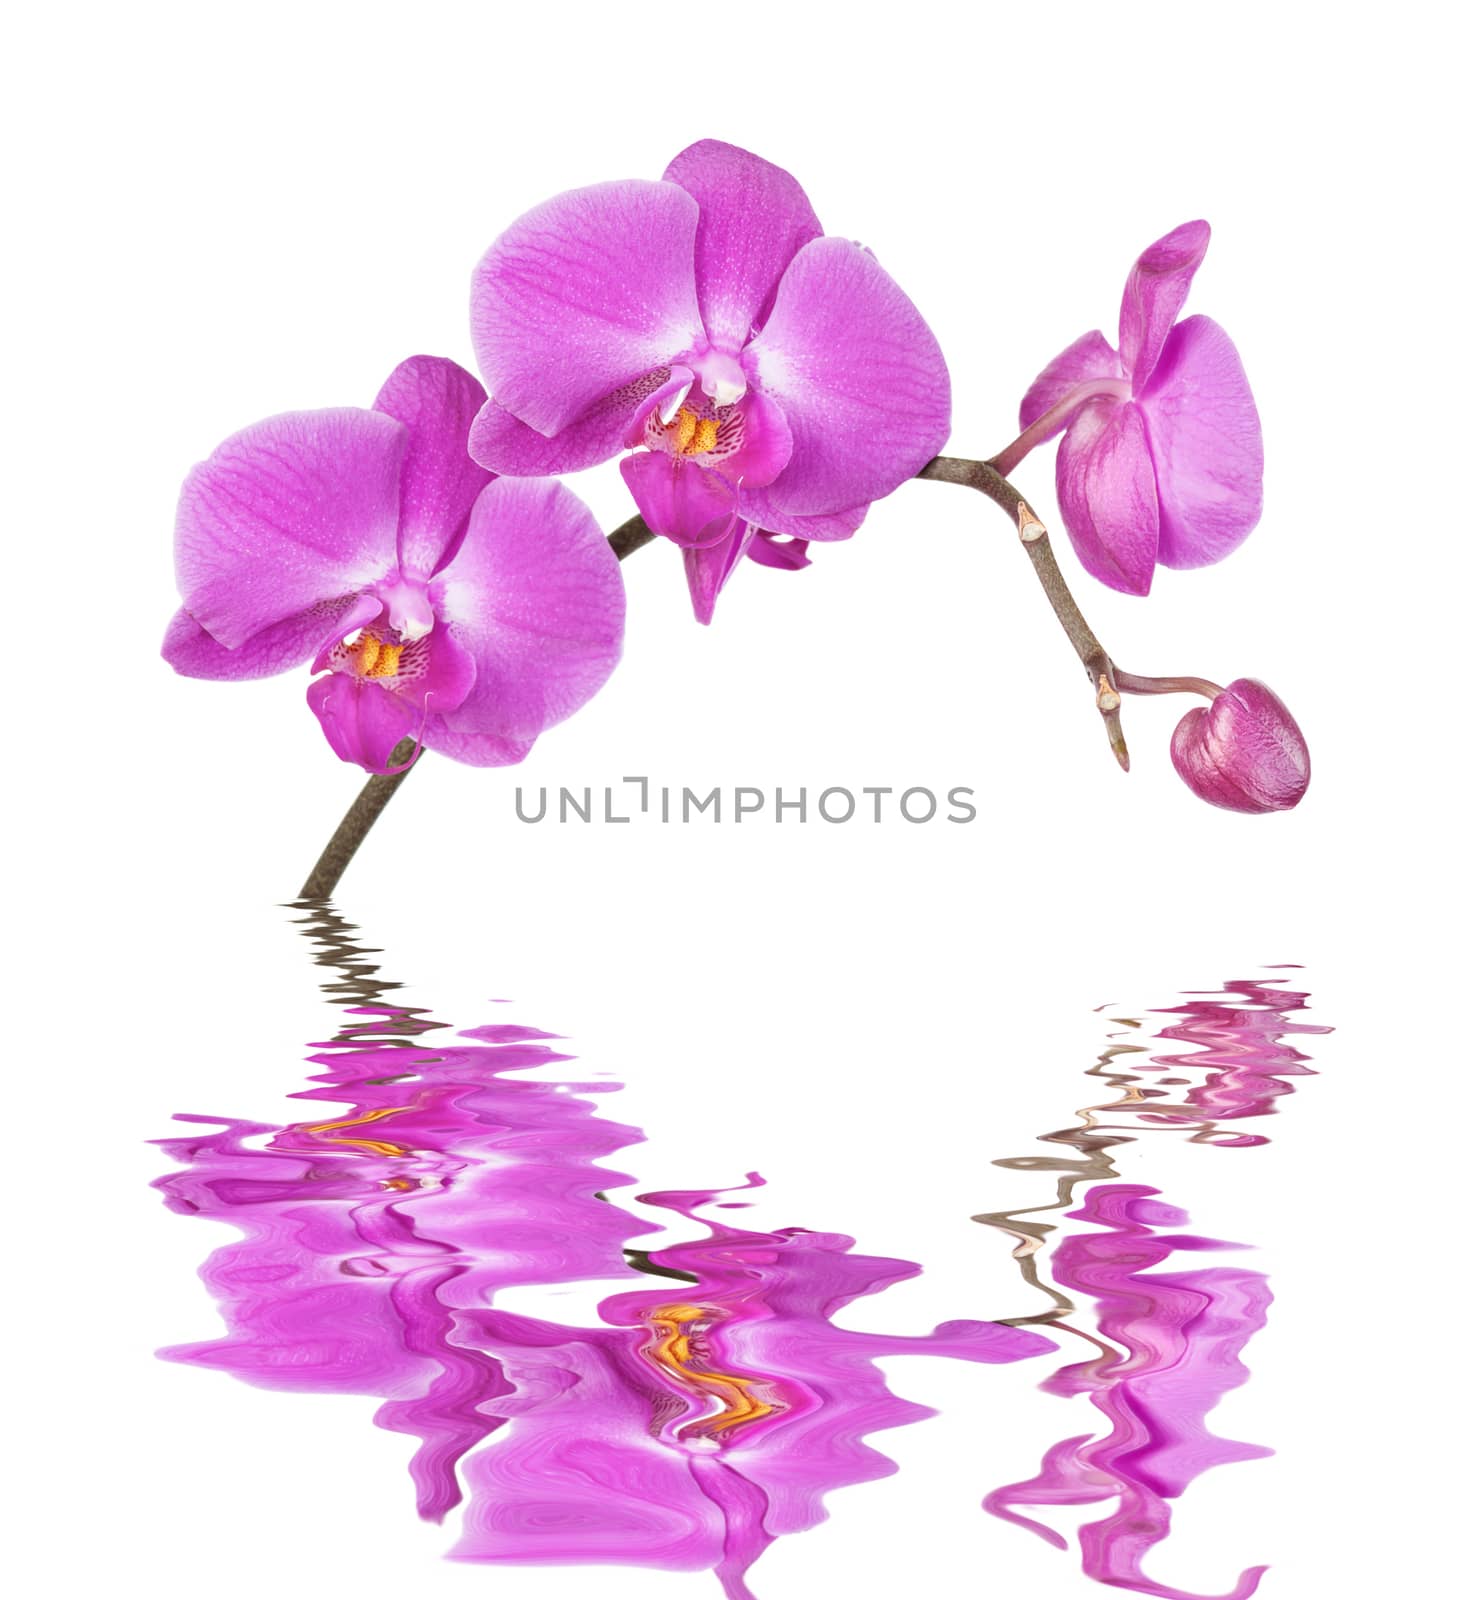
(1096, 661)
(377, 791)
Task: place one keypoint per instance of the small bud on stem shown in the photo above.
(1031, 527)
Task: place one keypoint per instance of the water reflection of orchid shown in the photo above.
(1169, 1343)
(704, 1415)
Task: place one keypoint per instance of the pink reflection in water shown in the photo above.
(707, 1416)
(1169, 1342)
(1178, 1338)
(1239, 1048)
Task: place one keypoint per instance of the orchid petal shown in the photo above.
(277, 648)
(474, 749)
(859, 376)
(435, 675)
(1206, 441)
(827, 527)
(707, 570)
(695, 506)
(285, 515)
(767, 443)
(1105, 483)
(535, 596)
(1089, 357)
(665, 399)
(363, 722)
(507, 445)
(783, 555)
(1152, 297)
(581, 294)
(435, 400)
(754, 220)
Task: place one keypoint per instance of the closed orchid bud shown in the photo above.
(1244, 751)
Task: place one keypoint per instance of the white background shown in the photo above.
(221, 212)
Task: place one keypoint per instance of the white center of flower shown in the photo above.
(721, 377)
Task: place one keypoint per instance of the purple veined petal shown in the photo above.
(1081, 362)
(767, 443)
(363, 722)
(826, 527)
(693, 506)
(859, 376)
(582, 293)
(443, 677)
(289, 513)
(1152, 297)
(433, 673)
(707, 570)
(436, 401)
(1243, 752)
(474, 749)
(274, 649)
(666, 399)
(535, 596)
(1206, 441)
(1105, 483)
(754, 220)
(507, 445)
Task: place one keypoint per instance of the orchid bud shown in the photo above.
(1244, 751)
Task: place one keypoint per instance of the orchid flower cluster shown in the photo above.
(762, 384)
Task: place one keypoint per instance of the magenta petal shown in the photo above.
(1089, 357)
(706, 571)
(582, 293)
(663, 398)
(363, 723)
(289, 513)
(1206, 442)
(859, 376)
(768, 443)
(474, 749)
(783, 555)
(695, 506)
(754, 220)
(507, 445)
(277, 648)
(1105, 483)
(1152, 297)
(445, 674)
(535, 596)
(825, 528)
(435, 400)
(1244, 752)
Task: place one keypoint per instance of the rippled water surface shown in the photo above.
(714, 1400)
(1160, 1347)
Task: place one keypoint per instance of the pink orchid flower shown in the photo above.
(1161, 462)
(1243, 752)
(468, 613)
(766, 377)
